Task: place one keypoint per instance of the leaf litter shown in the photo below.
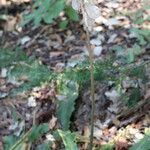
(48, 46)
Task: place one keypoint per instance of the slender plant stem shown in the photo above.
(92, 88)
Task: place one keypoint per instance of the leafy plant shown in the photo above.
(16, 143)
(68, 90)
(107, 147)
(132, 52)
(71, 13)
(38, 131)
(47, 10)
(134, 97)
(43, 146)
(142, 35)
(127, 55)
(27, 72)
(8, 57)
(144, 144)
(69, 140)
(138, 16)
(9, 141)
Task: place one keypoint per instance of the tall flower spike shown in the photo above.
(88, 10)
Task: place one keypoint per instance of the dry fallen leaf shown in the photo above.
(92, 10)
(52, 122)
(11, 23)
(122, 144)
(3, 2)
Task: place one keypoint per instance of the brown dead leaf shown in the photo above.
(147, 95)
(106, 132)
(11, 22)
(3, 2)
(122, 144)
(116, 121)
(1, 145)
(52, 122)
(56, 53)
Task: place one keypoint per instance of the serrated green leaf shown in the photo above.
(130, 56)
(137, 49)
(134, 97)
(27, 19)
(63, 24)
(8, 57)
(68, 140)
(71, 13)
(118, 48)
(53, 11)
(9, 141)
(44, 10)
(139, 21)
(44, 146)
(56, 8)
(47, 18)
(144, 144)
(38, 131)
(66, 106)
(37, 17)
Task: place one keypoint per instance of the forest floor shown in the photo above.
(43, 66)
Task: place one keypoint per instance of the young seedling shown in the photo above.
(89, 12)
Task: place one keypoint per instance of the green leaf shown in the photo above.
(144, 144)
(53, 11)
(148, 18)
(32, 70)
(27, 19)
(47, 18)
(43, 146)
(38, 131)
(134, 97)
(107, 147)
(137, 49)
(8, 57)
(71, 13)
(66, 106)
(37, 17)
(130, 56)
(68, 140)
(44, 10)
(9, 141)
(139, 21)
(135, 32)
(118, 48)
(63, 24)
(141, 34)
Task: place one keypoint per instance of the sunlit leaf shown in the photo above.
(68, 140)
(66, 106)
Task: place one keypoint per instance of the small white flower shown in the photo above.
(32, 102)
(50, 137)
